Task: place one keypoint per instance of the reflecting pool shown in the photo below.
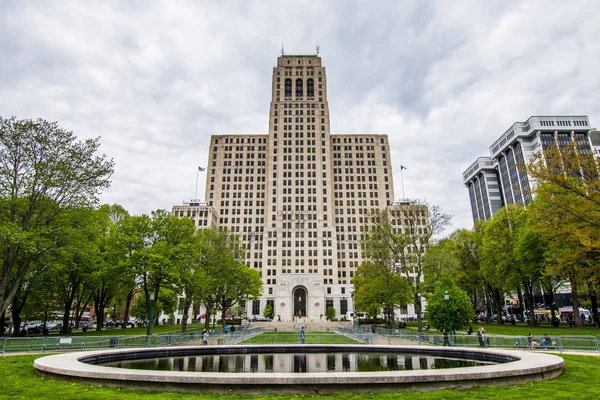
(298, 363)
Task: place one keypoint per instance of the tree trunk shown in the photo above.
(66, 317)
(45, 325)
(521, 303)
(18, 303)
(207, 317)
(488, 306)
(16, 314)
(575, 299)
(553, 308)
(186, 309)
(2, 324)
(530, 302)
(101, 300)
(128, 301)
(594, 300)
(99, 318)
(417, 299)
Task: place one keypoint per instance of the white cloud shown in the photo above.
(156, 79)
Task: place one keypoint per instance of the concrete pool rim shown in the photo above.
(525, 367)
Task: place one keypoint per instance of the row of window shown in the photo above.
(347, 140)
(241, 140)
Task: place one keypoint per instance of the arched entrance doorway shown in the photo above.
(300, 301)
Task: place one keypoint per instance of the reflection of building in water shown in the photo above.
(300, 363)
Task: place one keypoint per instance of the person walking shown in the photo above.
(302, 335)
(446, 342)
(205, 337)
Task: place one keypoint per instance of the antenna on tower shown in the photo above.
(282, 53)
(317, 50)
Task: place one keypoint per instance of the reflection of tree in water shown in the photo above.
(208, 364)
(254, 362)
(369, 362)
(300, 363)
(345, 363)
(268, 360)
(178, 363)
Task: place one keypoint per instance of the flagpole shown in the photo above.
(402, 181)
(197, 175)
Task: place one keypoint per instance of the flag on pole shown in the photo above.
(402, 167)
(201, 169)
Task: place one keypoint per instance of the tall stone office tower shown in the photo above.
(299, 196)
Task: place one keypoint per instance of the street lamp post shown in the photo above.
(447, 298)
(150, 319)
(73, 309)
(214, 316)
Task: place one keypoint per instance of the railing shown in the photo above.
(362, 335)
(44, 344)
(557, 343)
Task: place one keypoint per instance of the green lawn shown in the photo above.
(580, 380)
(294, 338)
(157, 329)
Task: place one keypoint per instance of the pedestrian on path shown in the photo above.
(302, 335)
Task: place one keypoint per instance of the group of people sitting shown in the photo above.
(545, 342)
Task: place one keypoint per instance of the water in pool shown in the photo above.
(312, 362)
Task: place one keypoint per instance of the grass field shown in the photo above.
(580, 380)
(294, 338)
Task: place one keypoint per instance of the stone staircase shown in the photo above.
(295, 326)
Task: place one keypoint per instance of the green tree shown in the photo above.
(377, 287)
(218, 277)
(269, 312)
(162, 259)
(459, 305)
(44, 171)
(330, 313)
(131, 238)
(440, 262)
(567, 207)
(498, 268)
(402, 240)
(75, 256)
(467, 248)
(111, 274)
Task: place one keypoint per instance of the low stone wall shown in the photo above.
(516, 367)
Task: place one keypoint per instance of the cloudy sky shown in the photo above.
(154, 79)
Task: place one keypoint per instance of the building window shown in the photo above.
(310, 87)
(256, 307)
(299, 88)
(343, 306)
(288, 87)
